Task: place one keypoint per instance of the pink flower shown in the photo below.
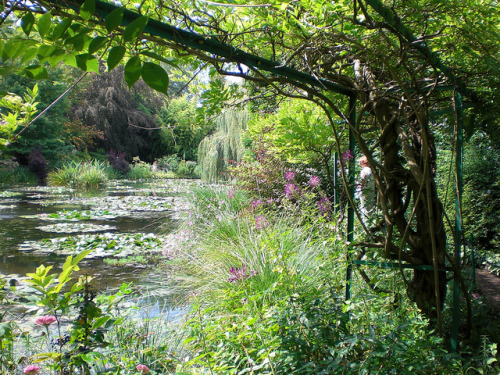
(257, 203)
(45, 320)
(143, 369)
(230, 193)
(475, 295)
(314, 181)
(261, 222)
(290, 176)
(291, 190)
(31, 370)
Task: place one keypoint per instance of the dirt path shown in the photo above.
(488, 286)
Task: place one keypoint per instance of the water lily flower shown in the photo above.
(315, 181)
(45, 320)
(143, 369)
(31, 370)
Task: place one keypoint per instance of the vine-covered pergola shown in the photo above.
(397, 103)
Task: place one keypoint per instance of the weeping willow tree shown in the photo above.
(218, 150)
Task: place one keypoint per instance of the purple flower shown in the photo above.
(314, 181)
(346, 156)
(291, 190)
(257, 203)
(45, 320)
(230, 193)
(240, 274)
(290, 175)
(324, 205)
(261, 222)
(475, 295)
(31, 370)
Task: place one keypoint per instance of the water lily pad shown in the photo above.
(104, 245)
(75, 228)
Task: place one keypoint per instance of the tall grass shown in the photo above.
(18, 175)
(86, 176)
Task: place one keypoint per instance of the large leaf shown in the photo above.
(114, 19)
(30, 54)
(27, 23)
(87, 9)
(10, 49)
(97, 43)
(44, 23)
(87, 63)
(36, 72)
(132, 70)
(114, 57)
(134, 28)
(155, 77)
(61, 28)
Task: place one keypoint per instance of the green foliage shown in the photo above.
(223, 148)
(181, 131)
(481, 214)
(84, 176)
(18, 175)
(140, 170)
(16, 113)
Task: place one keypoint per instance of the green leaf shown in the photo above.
(58, 55)
(44, 24)
(27, 23)
(87, 63)
(36, 72)
(61, 28)
(155, 77)
(81, 255)
(97, 43)
(114, 19)
(10, 49)
(44, 52)
(30, 54)
(87, 9)
(160, 58)
(114, 57)
(100, 321)
(134, 28)
(132, 70)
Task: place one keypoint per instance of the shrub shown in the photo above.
(140, 170)
(118, 162)
(38, 166)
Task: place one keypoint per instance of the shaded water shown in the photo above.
(138, 208)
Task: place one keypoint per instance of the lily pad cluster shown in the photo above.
(104, 245)
(77, 215)
(76, 228)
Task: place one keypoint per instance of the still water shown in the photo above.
(32, 215)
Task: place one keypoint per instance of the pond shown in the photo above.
(129, 226)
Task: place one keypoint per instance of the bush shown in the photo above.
(140, 170)
(118, 162)
(169, 163)
(38, 166)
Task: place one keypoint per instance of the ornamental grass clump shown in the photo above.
(85, 176)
